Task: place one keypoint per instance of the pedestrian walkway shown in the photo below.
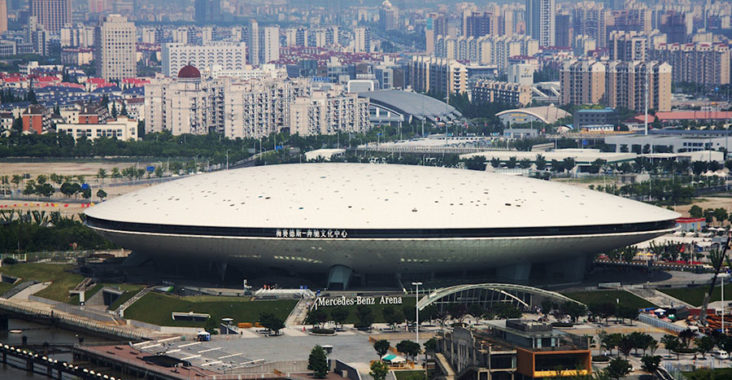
(657, 297)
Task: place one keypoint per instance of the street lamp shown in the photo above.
(416, 308)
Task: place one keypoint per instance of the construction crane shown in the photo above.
(718, 258)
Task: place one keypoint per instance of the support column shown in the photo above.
(569, 270)
(338, 277)
(517, 273)
(4, 325)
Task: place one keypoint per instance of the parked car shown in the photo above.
(721, 354)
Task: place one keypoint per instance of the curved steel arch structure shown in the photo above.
(506, 290)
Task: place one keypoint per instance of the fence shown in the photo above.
(655, 322)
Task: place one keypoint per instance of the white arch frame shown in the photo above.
(496, 287)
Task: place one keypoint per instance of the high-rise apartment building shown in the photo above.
(589, 19)
(3, 16)
(489, 91)
(540, 21)
(264, 43)
(361, 40)
(78, 35)
(626, 84)
(582, 82)
(250, 108)
(52, 14)
(115, 51)
(207, 11)
(478, 24)
(438, 75)
(253, 43)
(628, 46)
(701, 63)
(228, 56)
(616, 84)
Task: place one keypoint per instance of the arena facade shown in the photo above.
(368, 219)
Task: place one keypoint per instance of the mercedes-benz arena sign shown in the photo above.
(373, 219)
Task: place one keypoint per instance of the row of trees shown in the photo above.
(719, 214)
(34, 231)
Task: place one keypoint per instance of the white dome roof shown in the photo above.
(333, 195)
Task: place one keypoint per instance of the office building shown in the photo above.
(228, 56)
(122, 129)
(628, 46)
(488, 91)
(388, 16)
(700, 63)
(564, 31)
(540, 21)
(521, 73)
(52, 14)
(115, 52)
(594, 117)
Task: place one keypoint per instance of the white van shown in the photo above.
(721, 354)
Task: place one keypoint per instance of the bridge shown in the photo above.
(488, 294)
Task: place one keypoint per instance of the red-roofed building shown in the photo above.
(36, 118)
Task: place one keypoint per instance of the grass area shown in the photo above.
(695, 295)
(157, 308)
(409, 375)
(130, 291)
(610, 296)
(88, 294)
(709, 374)
(59, 274)
(4, 287)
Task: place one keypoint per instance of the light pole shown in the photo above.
(416, 308)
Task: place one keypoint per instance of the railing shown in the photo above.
(655, 322)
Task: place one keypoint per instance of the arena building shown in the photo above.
(371, 220)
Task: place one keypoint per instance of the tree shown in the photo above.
(365, 317)
(495, 162)
(511, 163)
(379, 370)
(704, 345)
(574, 310)
(525, 163)
(318, 362)
(86, 193)
(651, 363)
(102, 174)
(271, 322)
(45, 190)
(158, 171)
(720, 214)
(686, 337)
(540, 162)
(382, 347)
(392, 316)
(316, 317)
(568, 164)
(546, 306)
(618, 368)
(101, 194)
(625, 345)
(430, 346)
(114, 110)
(339, 315)
(409, 348)
(696, 211)
(671, 343)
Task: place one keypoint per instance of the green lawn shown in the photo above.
(709, 374)
(59, 274)
(157, 308)
(404, 375)
(695, 295)
(605, 296)
(4, 287)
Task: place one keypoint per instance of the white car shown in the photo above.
(721, 354)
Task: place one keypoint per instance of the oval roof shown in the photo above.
(338, 195)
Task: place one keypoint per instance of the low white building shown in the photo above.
(123, 129)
